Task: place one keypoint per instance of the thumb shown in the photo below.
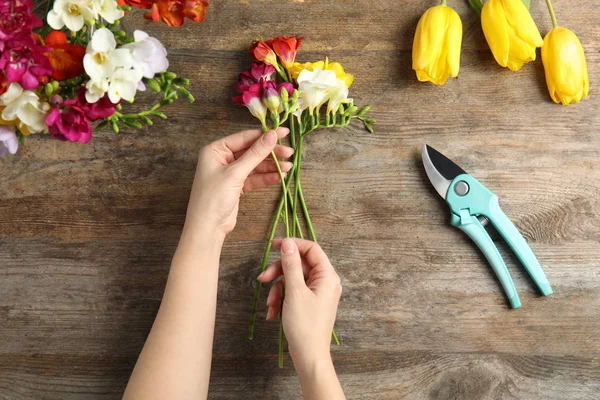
(257, 152)
(292, 265)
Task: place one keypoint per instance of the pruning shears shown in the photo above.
(472, 206)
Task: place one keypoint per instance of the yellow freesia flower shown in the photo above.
(325, 66)
(565, 66)
(436, 46)
(510, 32)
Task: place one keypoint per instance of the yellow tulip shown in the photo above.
(436, 46)
(566, 69)
(510, 32)
(324, 65)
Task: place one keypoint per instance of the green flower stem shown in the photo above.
(552, 15)
(280, 357)
(285, 195)
(265, 258)
(444, 2)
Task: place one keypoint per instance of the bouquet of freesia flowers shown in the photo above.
(62, 74)
(277, 90)
(513, 38)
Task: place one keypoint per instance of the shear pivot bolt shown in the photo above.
(461, 188)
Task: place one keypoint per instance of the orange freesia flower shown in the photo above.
(66, 58)
(136, 3)
(261, 51)
(286, 48)
(173, 12)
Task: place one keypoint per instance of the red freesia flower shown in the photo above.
(3, 83)
(173, 12)
(286, 48)
(66, 58)
(261, 51)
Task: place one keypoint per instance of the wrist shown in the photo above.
(314, 368)
(204, 235)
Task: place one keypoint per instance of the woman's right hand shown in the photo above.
(312, 293)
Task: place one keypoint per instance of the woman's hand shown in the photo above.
(227, 168)
(312, 293)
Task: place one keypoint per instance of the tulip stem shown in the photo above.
(552, 15)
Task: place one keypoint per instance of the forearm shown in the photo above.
(319, 381)
(175, 361)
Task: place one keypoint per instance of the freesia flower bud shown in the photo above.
(510, 32)
(436, 47)
(295, 96)
(283, 94)
(271, 99)
(565, 66)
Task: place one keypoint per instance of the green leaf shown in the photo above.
(477, 5)
(527, 3)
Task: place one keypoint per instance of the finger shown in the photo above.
(275, 270)
(274, 300)
(244, 139)
(281, 151)
(255, 154)
(311, 251)
(269, 166)
(292, 266)
(259, 181)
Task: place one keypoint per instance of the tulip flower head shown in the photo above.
(564, 63)
(436, 46)
(510, 32)
(565, 66)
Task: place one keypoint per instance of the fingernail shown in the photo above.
(284, 130)
(270, 138)
(260, 275)
(288, 246)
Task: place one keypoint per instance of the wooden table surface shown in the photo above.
(87, 232)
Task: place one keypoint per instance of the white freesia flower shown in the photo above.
(338, 95)
(107, 9)
(72, 13)
(123, 84)
(102, 56)
(8, 140)
(149, 55)
(25, 106)
(315, 87)
(95, 90)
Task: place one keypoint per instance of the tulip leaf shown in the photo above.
(527, 3)
(477, 5)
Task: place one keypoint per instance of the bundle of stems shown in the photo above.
(292, 201)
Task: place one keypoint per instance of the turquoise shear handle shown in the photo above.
(470, 200)
(472, 227)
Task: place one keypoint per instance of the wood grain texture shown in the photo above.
(87, 232)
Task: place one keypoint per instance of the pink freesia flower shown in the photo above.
(26, 65)
(71, 119)
(8, 140)
(252, 98)
(16, 23)
(257, 72)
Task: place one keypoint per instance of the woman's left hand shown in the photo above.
(228, 168)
